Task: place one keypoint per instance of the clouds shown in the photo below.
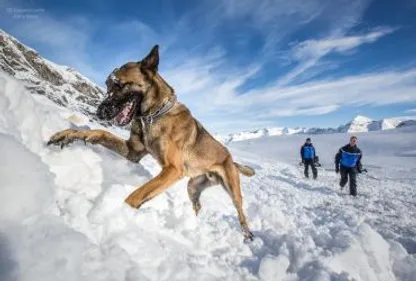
(311, 49)
(308, 53)
(314, 98)
(357, 90)
(277, 20)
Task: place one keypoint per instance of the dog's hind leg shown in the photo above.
(231, 183)
(198, 184)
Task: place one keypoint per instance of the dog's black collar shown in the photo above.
(152, 117)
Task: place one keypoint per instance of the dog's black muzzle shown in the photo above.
(107, 109)
(111, 106)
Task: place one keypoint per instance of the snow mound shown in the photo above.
(26, 183)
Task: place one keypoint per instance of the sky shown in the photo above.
(241, 64)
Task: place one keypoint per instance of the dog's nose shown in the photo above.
(99, 114)
(102, 112)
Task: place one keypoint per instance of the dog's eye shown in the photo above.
(117, 83)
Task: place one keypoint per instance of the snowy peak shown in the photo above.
(364, 124)
(62, 84)
(357, 125)
(359, 119)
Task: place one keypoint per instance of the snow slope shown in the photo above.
(63, 216)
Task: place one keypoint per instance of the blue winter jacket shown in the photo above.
(307, 151)
(349, 157)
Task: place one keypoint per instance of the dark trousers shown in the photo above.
(352, 174)
(307, 163)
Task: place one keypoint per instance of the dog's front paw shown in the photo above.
(248, 236)
(63, 138)
(131, 202)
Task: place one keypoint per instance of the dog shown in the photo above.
(164, 128)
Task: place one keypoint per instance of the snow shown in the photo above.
(26, 176)
(63, 216)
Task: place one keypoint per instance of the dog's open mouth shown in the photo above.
(126, 114)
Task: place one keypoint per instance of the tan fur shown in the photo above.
(176, 140)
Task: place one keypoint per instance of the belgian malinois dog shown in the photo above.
(164, 128)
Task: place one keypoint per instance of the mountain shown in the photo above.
(272, 131)
(63, 85)
(365, 124)
(407, 123)
(358, 124)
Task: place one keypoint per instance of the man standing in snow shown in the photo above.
(348, 162)
(307, 153)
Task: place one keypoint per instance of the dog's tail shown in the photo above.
(245, 170)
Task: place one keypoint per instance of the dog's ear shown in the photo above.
(151, 61)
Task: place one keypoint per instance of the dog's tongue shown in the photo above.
(123, 115)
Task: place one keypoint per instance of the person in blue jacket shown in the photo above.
(307, 153)
(348, 163)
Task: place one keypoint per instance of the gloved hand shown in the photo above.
(359, 171)
(303, 161)
(337, 169)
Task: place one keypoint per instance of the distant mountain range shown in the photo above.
(357, 125)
